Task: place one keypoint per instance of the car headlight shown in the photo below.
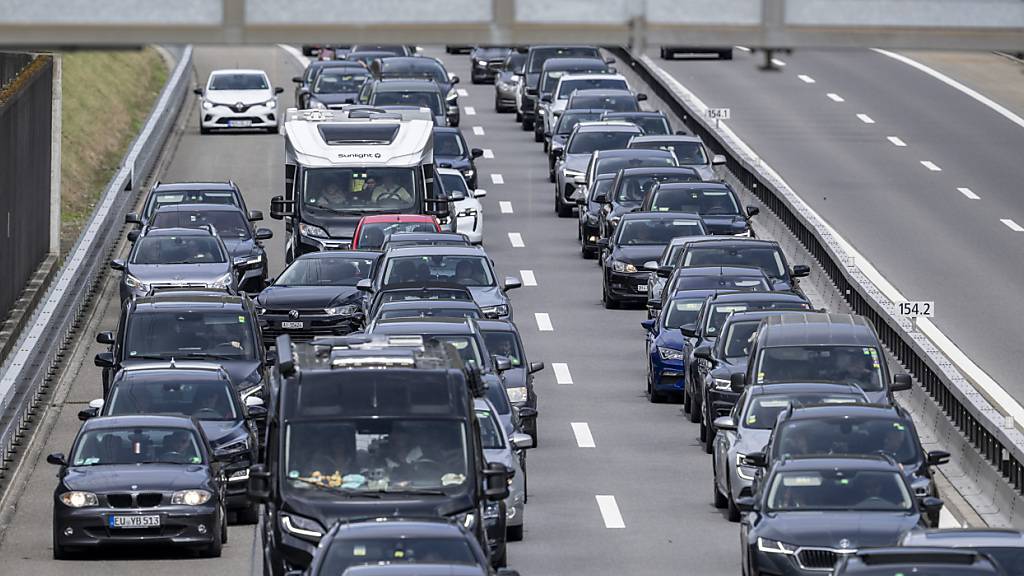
(495, 311)
(270, 103)
(223, 281)
(316, 104)
(312, 231)
(79, 499)
(236, 446)
(517, 394)
(301, 527)
(481, 62)
(134, 283)
(775, 547)
(670, 354)
(239, 475)
(722, 384)
(625, 267)
(207, 105)
(254, 260)
(542, 111)
(451, 96)
(346, 310)
(191, 497)
(467, 519)
(744, 470)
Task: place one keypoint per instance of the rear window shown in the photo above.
(634, 187)
(568, 120)
(656, 231)
(568, 86)
(617, 103)
(587, 142)
(227, 224)
(613, 165)
(542, 55)
(688, 153)
(703, 201)
(172, 197)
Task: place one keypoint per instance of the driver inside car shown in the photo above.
(387, 191)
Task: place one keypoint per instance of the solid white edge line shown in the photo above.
(609, 511)
(516, 239)
(505, 206)
(896, 141)
(584, 439)
(995, 106)
(835, 97)
(543, 322)
(1012, 225)
(968, 193)
(562, 374)
(528, 277)
(478, 130)
(931, 165)
(497, 179)
(865, 118)
(806, 79)
(488, 153)
(997, 395)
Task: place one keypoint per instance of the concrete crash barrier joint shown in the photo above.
(998, 445)
(27, 374)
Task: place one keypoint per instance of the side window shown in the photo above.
(737, 408)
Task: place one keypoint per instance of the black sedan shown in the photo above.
(810, 511)
(139, 480)
(451, 151)
(334, 88)
(304, 83)
(629, 189)
(316, 296)
(484, 62)
(502, 339)
(590, 211)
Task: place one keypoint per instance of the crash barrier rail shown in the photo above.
(990, 441)
(32, 369)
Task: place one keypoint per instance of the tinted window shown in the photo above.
(707, 201)
(205, 400)
(731, 283)
(491, 52)
(617, 103)
(340, 81)
(373, 234)
(465, 270)
(238, 82)
(688, 153)
(325, 272)
(767, 259)
(414, 68)
(515, 62)
(455, 186)
(167, 198)
(430, 100)
(861, 366)
(587, 142)
(448, 144)
(177, 250)
(346, 552)
(430, 313)
(137, 446)
(634, 187)
(491, 437)
(720, 312)
(763, 411)
(568, 86)
(227, 224)
(504, 344)
(601, 186)
(738, 338)
(661, 231)
(360, 189)
(1011, 559)
(839, 490)
(190, 334)
(613, 165)
(682, 311)
(568, 120)
(651, 125)
(849, 435)
(541, 55)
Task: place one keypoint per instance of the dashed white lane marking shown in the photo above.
(497, 179)
(506, 206)
(743, 48)
(896, 141)
(470, 111)
(462, 92)
(778, 62)
(584, 439)
(931, 165)
(516, 239)
(1012, 225)
(562, 375)
(478, 130)
(488, 153)
(527, 277)
(865, 118)
(543, 322)
(609, 511)
(806, 79)
(835, 97)
(968, 193)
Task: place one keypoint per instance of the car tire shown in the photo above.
(248, 515)
(652, 396)
(538, 132)
(214, 549)
(497, 105)
(694, 408)
(721, 500)
(551, 175)
(203, 130)
(709, 438)
(733, 512)
(609, 302)
(703, 431)
(687, 401)
(725, 54)
(519, 115)
(514, 533)
(61, 552)
(547, 146)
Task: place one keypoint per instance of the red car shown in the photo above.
(373, 230)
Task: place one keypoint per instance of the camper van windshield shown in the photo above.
(361, 190)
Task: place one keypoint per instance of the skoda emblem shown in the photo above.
(844, 543)
(293, 314)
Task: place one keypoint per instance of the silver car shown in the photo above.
(506, 83)
(748, 428)
(572, 163)
(505, 446)
(176, 258)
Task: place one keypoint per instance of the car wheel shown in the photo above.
(694, 408)
(721, 501)
(551, 175)
(474, 80)
(703, 431)
(709, 440)
(734, 510)
(538, 132)
(609, 302)
(547, 147)
(519, 115)
(687, 401)
(60, 552)
(203, 129)
(654, 396)
(563, 209)
(248, 515)
(514, 533)
(224, 526)
(214, 549)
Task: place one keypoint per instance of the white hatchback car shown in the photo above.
(239, 99)
(469, 213)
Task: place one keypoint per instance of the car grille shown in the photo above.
(148, 499)
(253, 119)
(119, 500)
(823, 559)
(140, 500)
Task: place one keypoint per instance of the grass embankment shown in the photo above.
(107, 96)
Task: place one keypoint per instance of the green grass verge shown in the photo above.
(107, 96)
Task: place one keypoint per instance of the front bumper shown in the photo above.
(313, 325)
(179, 525)
(227, 117)
(627, 286)
(472, 226)
(482, 73)
(666, 375)
(765, 563)
(308, 244)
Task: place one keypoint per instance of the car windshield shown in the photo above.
(849, 435)
(568, 120)
(137, 445)
(616, 163)
(601, 186)
(420, 99)
(345, 552)
(762, 411)
(340, 81)
(682, 311)
(466, 346)
(464, 270)
(737, 339)
(633, 188)
(717, 282)
(227, 223)
(173, 197)
(377, 455)
(238, 82)
(373, 234)
(491, 437)
(639, 232)
(361, 190)
(390, 49)
(833, 489)
(215, 334)
(767, 258)
(448, 144)
(567, 87)
(491, 52)
(516, 62)
(330, 271)
(859, 365)
(414, 68)
(542, 55)
(177, 250)
(706, 202)
(651, 125)
(455, 186)
(615, 103)
(718, 313)
(587, 142)
(204, 399)
(420, 312)
(504, 344)
(687, 153)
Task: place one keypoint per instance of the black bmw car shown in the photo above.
(316, 296)
(139, 480)
(451, 151)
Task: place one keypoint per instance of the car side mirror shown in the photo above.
(511, 283)
(757, 459)
(689, 330)
(104, 360)
(753, 211)
(279, 207)
(132, 218)
(479, 193)
(609, 60)
(704, 353)
(651, 266)
(640, 97)
(257, 412)
(737, 382)
(105, 337)
(197, 91)
(801, 270)
(937, 457)
(521, 441)
(546, 98)
(365, 285)
(496, 477)
(264, 234)
(557, 152)
(725, 423)
(253, 401)
(117, 264)
(718, 160)
(454, 80)
(255, 215)
(526, 413)
(476, 152)
(133, 235)
(602, 243)
(57, 459)
(900, 383)
(502, 363)
(648, 325)
(259, 483)
(931, 504)
(665, 271)
(536, 367)
(654, 304)
(278, 89)
(297, 79)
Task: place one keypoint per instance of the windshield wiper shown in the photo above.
(416, 491)
(208, 355)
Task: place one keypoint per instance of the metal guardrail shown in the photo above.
(31, 370)
(998, 443)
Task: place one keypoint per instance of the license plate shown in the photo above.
(239, 123)
(135, 521)
(292, 325)
(641, 287)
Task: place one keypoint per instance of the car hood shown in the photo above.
(306, 297)
(224, 432)
(751, 440)
(336, 99)
(827, 529)
(729, 366)
(336, 225)
(159, 273)
(558, 140)
(725, 225)
(670, 339)
(577, 162)
(637, 255)
(457, 162)
(232, 97)
(704, 170)
(485, 296)
(147, 477)
(327, 507)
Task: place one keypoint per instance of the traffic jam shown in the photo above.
(370, 407)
